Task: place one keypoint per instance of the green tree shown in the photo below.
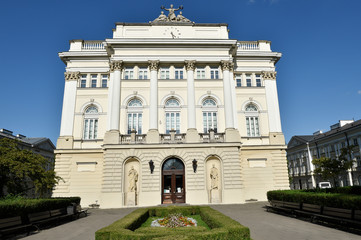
(22, 170)
(331, 168)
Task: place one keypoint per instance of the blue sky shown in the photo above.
(318, 76)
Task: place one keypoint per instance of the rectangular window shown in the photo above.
(179, 73)
(239, 81)
(128, 73)
(143, 73)
(104, 81)
(83, 81)
(249, 80)
(355, 142)
(90, 129)
(214, 73)
(258, 80)
(164, 73)
(209, 121)
(94, 81)
(201, 73)
(172, 121)
(252, 126)
(135, 122)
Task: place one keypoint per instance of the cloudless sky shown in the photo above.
(318, 76)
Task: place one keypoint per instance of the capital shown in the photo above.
(190, 65)
(153, 65)
(227, 65)
(115, 65)
(72, 76)
(269, 75)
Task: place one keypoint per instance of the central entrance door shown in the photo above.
(173, 187)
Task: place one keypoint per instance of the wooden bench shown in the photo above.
(12, 225)
(41, 218)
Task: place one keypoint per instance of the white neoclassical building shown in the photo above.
(170, 111)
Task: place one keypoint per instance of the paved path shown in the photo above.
(263, 225)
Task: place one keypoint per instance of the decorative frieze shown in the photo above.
(115, 65)
(269, 75)
(153, 65)
(227, 65)
(190, 65)
(72, 76)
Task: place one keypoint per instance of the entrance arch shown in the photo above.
(173, 181)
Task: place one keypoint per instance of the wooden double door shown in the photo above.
(173, 184)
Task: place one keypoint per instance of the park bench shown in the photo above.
(42, 218)
(12, 225)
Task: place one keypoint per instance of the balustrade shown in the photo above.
(92, 46)
(248, 46)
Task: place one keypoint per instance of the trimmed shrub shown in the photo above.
(222, 227)
(21, 206)
(323, 198)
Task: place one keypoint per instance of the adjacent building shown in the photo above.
(170, 111)
(38, 145)
(303, 149)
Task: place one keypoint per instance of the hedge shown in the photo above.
(355, 190)
(336, 200)
(23, 206)
(222, 227)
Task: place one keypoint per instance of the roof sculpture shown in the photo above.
(171, 16)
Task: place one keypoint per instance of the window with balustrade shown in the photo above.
(143, 73)
(252, 120)
(172, 115)
(91, 116)
(209, 108)
(135, 116)
(129, 73)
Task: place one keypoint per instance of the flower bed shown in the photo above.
(174, 220)
(129, 227)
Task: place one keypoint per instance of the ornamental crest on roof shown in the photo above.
(171, 15)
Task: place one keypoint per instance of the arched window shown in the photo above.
(252, 121)
(172, 115)
(91, 123)
(135, 115)
(209, 108)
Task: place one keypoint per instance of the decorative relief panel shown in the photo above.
(115, 65)
(72, 76)
(269, 75)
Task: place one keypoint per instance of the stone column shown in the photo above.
(274, 119)
(234, 99)
(312, 167)
(232, 135)
(66, 138)
(192, 133)
(153, 133)
(112, 134)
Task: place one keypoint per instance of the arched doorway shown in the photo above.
(173, 184)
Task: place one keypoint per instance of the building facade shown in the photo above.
(303, 149)
(39, 145)
(170, 111)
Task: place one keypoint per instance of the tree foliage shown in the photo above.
(22, 170)
(331, 168)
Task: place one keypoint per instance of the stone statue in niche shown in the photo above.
(214, 177)
(133, 179)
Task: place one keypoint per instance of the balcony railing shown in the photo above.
(132, 138)
(248, 46)
(212, 137)
(172, 138)
(92, 46)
